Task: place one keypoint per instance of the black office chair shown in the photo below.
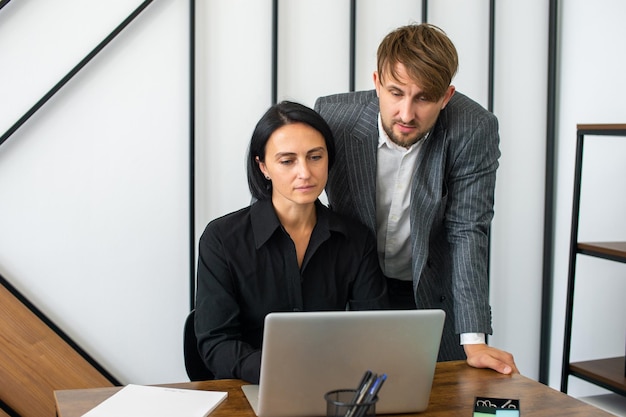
(194, 365)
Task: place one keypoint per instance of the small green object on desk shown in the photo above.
(499, 407)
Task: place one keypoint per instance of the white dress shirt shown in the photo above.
(395, 168)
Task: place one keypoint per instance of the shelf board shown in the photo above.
(608, 373)
(601, 126)
(615, 251)
(616, 129)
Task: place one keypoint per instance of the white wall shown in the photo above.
(93, 190)
(517, 234)
(592, 85)
(233, 90)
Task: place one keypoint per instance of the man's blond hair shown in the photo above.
(426, 52)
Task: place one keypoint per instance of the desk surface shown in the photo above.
(454, 389)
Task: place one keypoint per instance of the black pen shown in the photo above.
(362, 385)
(368, 379)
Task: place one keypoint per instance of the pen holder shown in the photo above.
(340, 403)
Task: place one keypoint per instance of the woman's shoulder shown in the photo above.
(228, 222)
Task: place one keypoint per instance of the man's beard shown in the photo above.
(406, 141)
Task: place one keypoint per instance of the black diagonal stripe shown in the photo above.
(73, 72)
(3, 406)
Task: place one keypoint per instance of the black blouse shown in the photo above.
(247, 268)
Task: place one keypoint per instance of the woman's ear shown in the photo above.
(262, 167)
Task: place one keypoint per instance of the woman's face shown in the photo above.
(296, 161)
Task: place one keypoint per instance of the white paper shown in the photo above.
(150, 401)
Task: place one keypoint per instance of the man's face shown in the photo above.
(407, 113)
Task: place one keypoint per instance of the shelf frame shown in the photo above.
(613, 251)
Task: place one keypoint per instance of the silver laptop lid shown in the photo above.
(307, 354)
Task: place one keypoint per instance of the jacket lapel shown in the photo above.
(361, 160)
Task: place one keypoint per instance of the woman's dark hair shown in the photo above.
(277, 116)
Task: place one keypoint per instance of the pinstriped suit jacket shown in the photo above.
(452, 197)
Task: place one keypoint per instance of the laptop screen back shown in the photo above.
(307, 354)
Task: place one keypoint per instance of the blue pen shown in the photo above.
(371, 394)
(376, 387)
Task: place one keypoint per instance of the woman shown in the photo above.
(286, 252)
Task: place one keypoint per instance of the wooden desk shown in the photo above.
(454, 389)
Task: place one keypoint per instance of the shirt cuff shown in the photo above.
(472, 338)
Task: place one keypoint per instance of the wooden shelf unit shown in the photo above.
(608, 373)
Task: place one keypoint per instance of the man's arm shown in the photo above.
(472, 164)
(471, 187)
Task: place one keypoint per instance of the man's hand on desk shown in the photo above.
(483, 356)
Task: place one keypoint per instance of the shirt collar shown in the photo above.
(265, 222)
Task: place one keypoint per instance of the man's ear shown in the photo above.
(447, 96)
(376, 79)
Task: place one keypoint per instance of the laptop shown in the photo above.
(306, 354)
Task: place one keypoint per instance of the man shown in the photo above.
(416, 162)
